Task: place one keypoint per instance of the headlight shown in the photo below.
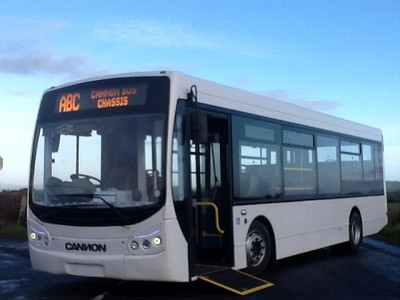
(33, 236)
(157, 241)
(39, 237)
(147, 241)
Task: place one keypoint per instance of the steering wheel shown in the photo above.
(88, 177)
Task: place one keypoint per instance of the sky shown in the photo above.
(340, 57)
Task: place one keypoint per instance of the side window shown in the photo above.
(257, 167)
(351, 160)
(378, 163)
(378, 168)
(328, 164)
(177, 173)
(361, 165)
(368, 163)
(372, 168)
(299, 163)
(351, 164)
(273, 161)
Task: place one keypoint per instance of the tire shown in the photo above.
(258, 248)
(355, 232)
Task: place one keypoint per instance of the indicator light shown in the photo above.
(134, 245)
(146, 244)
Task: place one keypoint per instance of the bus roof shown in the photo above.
(243, 101)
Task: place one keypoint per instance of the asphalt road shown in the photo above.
(373, 273)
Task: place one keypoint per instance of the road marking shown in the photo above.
(10, 285)
(104, 294)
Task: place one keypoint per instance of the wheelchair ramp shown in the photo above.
(236, 281)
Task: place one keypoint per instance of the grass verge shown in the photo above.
(12, 230)
(391, 233)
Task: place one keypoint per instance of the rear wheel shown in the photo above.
(258, 248)
(355, 232)
(355, 235)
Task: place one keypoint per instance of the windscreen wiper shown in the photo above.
(114, 208)
(118, 211)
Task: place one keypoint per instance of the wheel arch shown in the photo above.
(264, 220)
(356, 210)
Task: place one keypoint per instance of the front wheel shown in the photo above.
(258, 248)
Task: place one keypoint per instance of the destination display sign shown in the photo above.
(101, 98)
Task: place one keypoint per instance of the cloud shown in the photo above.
(28, 29)
(23, 50)
(315, 104)
(155, 34)
(162, 34)
(44, 61)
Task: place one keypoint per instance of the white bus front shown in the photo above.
(97, 184)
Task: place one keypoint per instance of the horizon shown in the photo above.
(341, 58)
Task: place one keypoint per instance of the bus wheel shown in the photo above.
(355, 232)
(258, 248)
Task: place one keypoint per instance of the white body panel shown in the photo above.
(119, 261)
(307, 225)
(298, 226)
(304, 225)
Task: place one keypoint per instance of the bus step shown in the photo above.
(236, 281)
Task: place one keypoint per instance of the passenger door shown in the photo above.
(210, 189)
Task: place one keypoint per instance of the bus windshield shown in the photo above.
(91, 166)
(97, 162)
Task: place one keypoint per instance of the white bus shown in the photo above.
(162, 176)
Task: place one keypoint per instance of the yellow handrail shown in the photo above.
(213, 205)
